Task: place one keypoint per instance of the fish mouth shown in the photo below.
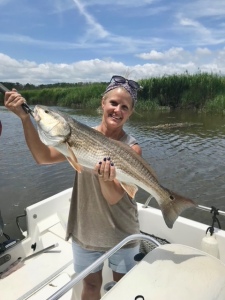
(37, 118)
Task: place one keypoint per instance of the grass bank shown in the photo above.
(202, 92)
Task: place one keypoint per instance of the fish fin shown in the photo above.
(73, 160)
(174, 207)
(131, 189)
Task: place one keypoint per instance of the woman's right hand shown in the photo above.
(13, 101)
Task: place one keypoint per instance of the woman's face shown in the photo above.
(117, 107)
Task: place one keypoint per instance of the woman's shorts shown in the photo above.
(121, 261)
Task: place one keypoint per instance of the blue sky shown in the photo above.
(48, 41)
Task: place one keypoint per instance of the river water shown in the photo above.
(187, 157)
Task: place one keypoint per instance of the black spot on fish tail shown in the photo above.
(173, 208)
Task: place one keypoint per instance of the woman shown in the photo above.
(101, 213)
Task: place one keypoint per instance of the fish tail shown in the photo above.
(174, 207)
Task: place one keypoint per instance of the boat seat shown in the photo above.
(173, 272)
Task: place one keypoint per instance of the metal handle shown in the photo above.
(99, 261)
(3, 88)
(41, 251)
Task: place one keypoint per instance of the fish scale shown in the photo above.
(84, 146)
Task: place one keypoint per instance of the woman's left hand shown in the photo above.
(106, 170)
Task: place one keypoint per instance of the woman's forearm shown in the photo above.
(111, 190)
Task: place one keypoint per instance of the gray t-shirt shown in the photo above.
(93, 223)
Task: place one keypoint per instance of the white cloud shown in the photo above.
(189, 22)
(204, 8)
(30, 72)
(198, 33)
(203, 51)
(202, 21)
(95, 29)
(97, 70)
(171, 54)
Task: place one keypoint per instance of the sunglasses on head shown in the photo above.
(120, 79)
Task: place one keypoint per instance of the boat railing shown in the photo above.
(147, 201)
(99, 261)
(211, 209)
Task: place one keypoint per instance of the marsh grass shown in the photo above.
(201, 91)
(216, 106)
(87, 95)
(183, 91)
(147, 105)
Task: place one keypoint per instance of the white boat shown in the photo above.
(185, 263)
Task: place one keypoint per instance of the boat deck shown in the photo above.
(41, 269)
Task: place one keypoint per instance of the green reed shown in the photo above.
(85, 95)
(183, 91)
(201, 91)
(216, 106)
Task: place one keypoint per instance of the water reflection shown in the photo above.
(188, 160)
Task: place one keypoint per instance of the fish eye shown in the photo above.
(172, 197)
(46, 111)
